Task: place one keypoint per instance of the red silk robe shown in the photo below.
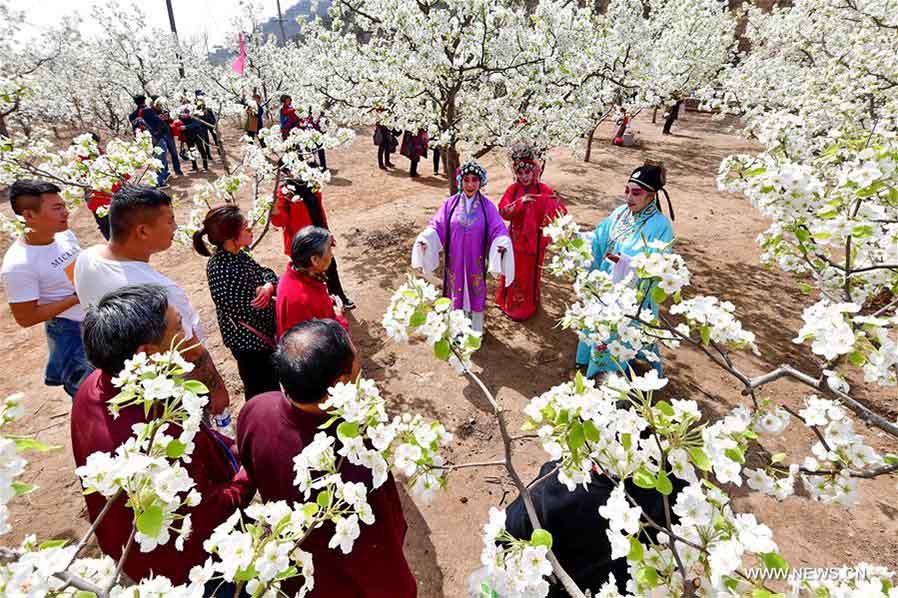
(520, 300)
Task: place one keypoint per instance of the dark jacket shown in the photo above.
(578, 531)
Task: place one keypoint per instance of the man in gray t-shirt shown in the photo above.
(37, 274)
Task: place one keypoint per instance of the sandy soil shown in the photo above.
(375, 215)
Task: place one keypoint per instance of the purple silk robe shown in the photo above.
(470, 236)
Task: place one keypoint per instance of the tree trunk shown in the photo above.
(3, 130)
(452, 164)
(592, 134)
(655, 115)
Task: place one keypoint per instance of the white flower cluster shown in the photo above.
(862, 579)
(667, 269)
(512, 568)
(145, 467)
(828, 328)
(409, 442)
(13, 227)
(11, 463)
(415, 310)
(263, 553)
(844, 451)
(570, 250)
(80, 167)
(715, 321)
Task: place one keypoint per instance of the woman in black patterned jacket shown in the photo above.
(242, 292)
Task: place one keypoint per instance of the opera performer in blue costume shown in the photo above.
(621, 236)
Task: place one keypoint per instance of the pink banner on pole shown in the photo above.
(238, 64)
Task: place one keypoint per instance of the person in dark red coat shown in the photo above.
(529, 205)
(302, 290)
(275, 427)
(296, 207)
(289, 118)
(125, 322)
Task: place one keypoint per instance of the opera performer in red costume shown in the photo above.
(529, 205)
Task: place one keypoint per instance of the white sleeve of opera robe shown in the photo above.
(621, 268)
(503, 265)
(588, 236)
(427, 258)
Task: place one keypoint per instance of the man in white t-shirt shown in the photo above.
(37, 275)
(141, 223)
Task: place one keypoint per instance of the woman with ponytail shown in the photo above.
(242, 292)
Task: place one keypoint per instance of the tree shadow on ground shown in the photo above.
(753, 290)
(420, 550)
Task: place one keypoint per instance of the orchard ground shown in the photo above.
(375, 216)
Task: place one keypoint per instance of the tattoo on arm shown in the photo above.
(205, 371)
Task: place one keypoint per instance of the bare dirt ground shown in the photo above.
(376, 215)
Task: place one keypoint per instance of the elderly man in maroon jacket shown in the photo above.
(274, 427)
(125, 322)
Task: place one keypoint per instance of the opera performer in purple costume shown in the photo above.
(470, 231)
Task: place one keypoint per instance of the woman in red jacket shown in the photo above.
(296, 207)
(302, 290)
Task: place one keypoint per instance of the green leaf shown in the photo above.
(579, 383)
(347, 430)
(590, 430)
(85, 594)
(665, 408)
(418, 318)
(773, 560)
(706, 334)
(196, 387)
(658, 295)
(246, 574)
(778, 457)
(32, 444)
(822, 235)
(890, 459)
(664, 484)
(473, 342)
(310, 509)
(442, 350)
(442, 302)
(330, 421)
(541, 537)
(862, 231)
(637, 552)
(175, 449)
(805, 288)
(699, 458)
(735, 454)
(802, 234)
(286, 574)
(149, 522)
(626, 441)
(857, 358)
(647, 577)
(643, 478)
(21, 488)
(323, 499)
(52, 544)
(761, 593)
(576, 437)
(755, 171)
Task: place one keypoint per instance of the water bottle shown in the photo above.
(224, 423)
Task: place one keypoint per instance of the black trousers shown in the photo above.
(383, 156)
(334, 286)
(413, 171)
(436, 161)
(257, 372)
(203, 149)
(322, 159)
